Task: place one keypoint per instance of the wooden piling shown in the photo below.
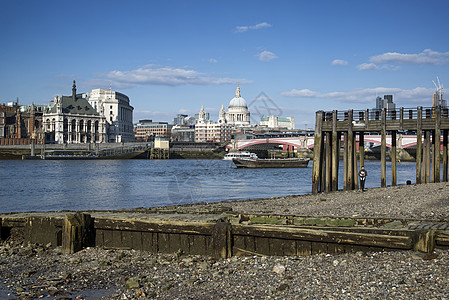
(355, 171)
(383, 151)
(221, 240)
(76, 231)
(393, 158)
(427, 158)
(345, 161)
(361, 148)
(419, 145)
(328, 172)
(335, 151)
(323, 163)
(350, 151)
(317, 164)
(445, 155)
(437, 146)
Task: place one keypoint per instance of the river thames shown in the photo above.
(44, 185)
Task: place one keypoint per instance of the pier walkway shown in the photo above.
(340, 129)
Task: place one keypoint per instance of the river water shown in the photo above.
(45, 185)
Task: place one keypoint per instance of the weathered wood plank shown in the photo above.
(276, 246)
(303, 248)
(184, 243)
(442, 238)
(262, 245)
(174, 242)
(289, 247)
(221, 239)
(163, 242)
(199, 245)
(367, 239)
(76, 232)
(123, 225)
(147, 242)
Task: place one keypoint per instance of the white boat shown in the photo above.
(244, 154)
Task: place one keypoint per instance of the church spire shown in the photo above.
(74, 91)
(237, 91)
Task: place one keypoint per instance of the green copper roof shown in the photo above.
(79, 107)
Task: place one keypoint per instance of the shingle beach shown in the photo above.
(36, 271)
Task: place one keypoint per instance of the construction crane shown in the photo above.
(438, 96)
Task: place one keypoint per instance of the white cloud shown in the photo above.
(151, 75)
(426, 57)
(367, 66)
(254, 27)
(371, 66)
(418, 95)
(213, 61)
(339, 62)
(266, 56)
(304, 93)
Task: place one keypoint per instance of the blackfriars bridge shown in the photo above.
(307, 142)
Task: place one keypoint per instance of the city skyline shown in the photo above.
(174, 56)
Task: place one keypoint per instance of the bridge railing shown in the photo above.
(391, 114)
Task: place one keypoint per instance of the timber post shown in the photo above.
(76, 232)
(445, 155)
(345, 161)
(350, 154)
(221, 240)
(393, 158)
(424, 241)
(437, 146)
(328, 170)
(383, 151)
(317, 154)
(361, 148)
(427, 146)
(419, 145)
(335, 151)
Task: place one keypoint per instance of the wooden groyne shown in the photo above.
(222, 234)
(335, 130)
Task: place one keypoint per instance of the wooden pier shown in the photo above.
(335, 130)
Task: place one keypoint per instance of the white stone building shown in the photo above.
(238, 114)
(117, 111)
(208, 131)
(277, 122)
(71, 119)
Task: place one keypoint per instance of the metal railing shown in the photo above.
(391, 114)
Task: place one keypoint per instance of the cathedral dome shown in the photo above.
(237, 101)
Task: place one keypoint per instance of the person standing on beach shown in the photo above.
(362, 174)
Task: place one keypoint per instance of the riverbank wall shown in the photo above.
(222, 233)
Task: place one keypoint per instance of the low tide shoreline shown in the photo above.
(34, 271)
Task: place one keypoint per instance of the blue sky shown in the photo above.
(171, 57)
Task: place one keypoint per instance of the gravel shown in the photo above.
(37, 271)
(125, 274)
(422, 201)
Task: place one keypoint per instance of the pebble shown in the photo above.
(39, 271)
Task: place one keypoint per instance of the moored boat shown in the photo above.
(271, 162)
(244, 154)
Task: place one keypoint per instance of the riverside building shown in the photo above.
(276, 122)
(208, 131)
(147, 130)
(71, 119)
(117, 112)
